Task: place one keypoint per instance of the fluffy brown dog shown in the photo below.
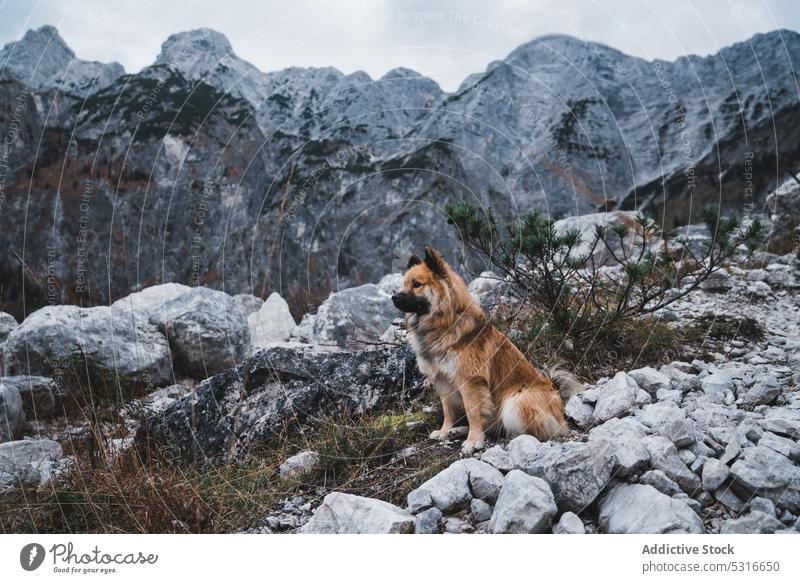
(474, 368)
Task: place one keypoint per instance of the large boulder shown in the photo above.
(641, 509)
(28, 462)
(41, 396)
(207, 332)
(7, 324)
(272, 322)
(576, 472)
(146, 302)
(342, 513)
(248, 405)
(525, 505)
(12, 419)
(760, 471)
(353, 318)
(130, 354)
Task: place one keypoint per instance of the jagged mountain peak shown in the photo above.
(42, 60)
(202, 44)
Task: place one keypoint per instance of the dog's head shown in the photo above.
(425, 285)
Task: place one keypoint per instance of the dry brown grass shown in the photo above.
(136, 493)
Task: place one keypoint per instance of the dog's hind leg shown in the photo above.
(532, 411)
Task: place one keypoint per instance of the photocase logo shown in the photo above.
(31, 556)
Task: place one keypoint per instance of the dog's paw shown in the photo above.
(439, 434)
(470, 446)
(460, 431)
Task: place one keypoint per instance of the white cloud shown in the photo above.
(445, 39)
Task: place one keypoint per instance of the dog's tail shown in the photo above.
(565, 382)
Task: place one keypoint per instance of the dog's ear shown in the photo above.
(435, 262)
(412, 261)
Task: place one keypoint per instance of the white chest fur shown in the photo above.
(443, 368)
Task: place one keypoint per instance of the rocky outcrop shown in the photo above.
(131, 356)
(233, 411)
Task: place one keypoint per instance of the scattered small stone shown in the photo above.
(714, 474)
(427, 521)
(480, 510)
(299, 464)
(569, 523)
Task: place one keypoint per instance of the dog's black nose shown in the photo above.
(395, 297)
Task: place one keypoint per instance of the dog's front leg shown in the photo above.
(478, 406)
(449, 409)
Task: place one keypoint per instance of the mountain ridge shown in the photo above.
(308, 179)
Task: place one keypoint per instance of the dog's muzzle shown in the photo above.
(411, 304)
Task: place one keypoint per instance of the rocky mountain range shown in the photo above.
(202, 170)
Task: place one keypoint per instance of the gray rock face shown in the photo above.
(716, 385)
(12, 418)
(576, 472)
(569, 523)
(525, 505)
(353, 317)
(580, 413)
(342, 513)
(650, 379)
(39, 395)
(763, 392)
(273, 322)
(625, 438)
(761, 471)
(485, 480)
(499, 458)
(669, 421)
(755, 522)
(664, 456)
(299, 464)
(238, 409)
(782, 421)
(27, 462)
(133, 353)
(480, 510)
(659, 480)
(207, 333)
(641, 509)
(7, 324)
(616, 397)
(427, 521)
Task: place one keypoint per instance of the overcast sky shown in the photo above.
(444, 39)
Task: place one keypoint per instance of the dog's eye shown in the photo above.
(416, 284)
